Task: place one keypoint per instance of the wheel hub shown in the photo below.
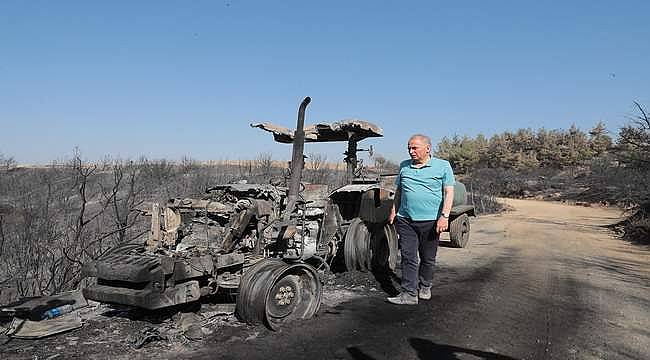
(285, 295)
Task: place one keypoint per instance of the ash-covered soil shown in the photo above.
(111, 332)
(544, 281)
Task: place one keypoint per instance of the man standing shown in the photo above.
(424, 196)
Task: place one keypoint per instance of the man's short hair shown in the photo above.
(426, 139)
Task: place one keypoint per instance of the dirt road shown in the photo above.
(544, 281)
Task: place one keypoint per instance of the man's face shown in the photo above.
(418, 150)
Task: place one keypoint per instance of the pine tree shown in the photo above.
(599, 141)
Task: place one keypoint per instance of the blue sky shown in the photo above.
(166, 79)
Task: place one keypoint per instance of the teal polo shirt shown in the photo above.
(422, 188)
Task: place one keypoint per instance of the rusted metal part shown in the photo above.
(355, 188)
(121, 267)
(227, 260)
(172, 219)
(154, 235)
(351, 158)
(148, 298)
(297, 159)
(199, 204)
(256, 191)
(350, 130)
(342, 130)
(152, 282)
(369, 202)
(195, 266)
(245, 211)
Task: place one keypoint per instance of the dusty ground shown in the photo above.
(545, 281)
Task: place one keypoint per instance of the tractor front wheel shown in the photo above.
(274, 293)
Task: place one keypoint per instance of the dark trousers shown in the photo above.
(417, 237)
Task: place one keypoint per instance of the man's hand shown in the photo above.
(391, 217)
(442, 224)
(393, 209)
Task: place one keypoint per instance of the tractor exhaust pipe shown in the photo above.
(297, 159)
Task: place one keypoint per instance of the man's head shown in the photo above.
(419, 147)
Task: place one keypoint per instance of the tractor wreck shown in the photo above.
(265, 244)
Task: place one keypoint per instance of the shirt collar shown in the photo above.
(426, 164)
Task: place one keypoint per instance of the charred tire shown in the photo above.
(459, 231)
(384, 247)
(274, 293)
(356, 247)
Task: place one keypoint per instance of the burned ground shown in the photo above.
(545, 281)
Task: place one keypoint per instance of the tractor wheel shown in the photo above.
(274, 293)
(384, 250)
(357, 249)
(459, 231)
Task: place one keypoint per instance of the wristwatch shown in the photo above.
(446, 216)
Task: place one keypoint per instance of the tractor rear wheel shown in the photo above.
(384, 247)
(357, 250)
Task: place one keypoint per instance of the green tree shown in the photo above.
(548, 143)
(461, 152)
(575, 148)
(523, 140)
(633, 143)
(525, 160)
(599, 141)
(482, 146)
(500, 152)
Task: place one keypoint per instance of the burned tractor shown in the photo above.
(355, 216)
(264, 243)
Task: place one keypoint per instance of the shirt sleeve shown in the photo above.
(398, 179)
(448, 177)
